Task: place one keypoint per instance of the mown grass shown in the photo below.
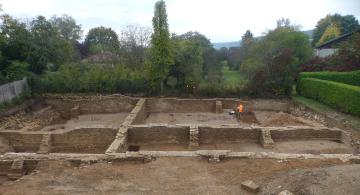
(232, 78)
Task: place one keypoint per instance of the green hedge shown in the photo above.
(350, 78)
(338, 95)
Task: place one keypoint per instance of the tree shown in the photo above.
(346, 24)
(160, 51)
(283, 22)
(347, 58)
(272, 62)
(48, 49)
(101, 39)
(67, 27)
(188, 62)
(238, 54)
(331, 32)
(16, 40)
(134, 42)
(211, 62)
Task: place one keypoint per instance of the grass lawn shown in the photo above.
(233, 78)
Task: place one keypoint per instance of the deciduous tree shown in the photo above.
(101, 39)
(161, 49)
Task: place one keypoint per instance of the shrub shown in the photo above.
(350, 78)
(80, 78)
(338, 95)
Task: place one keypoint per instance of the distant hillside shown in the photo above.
(238, 43)
(309, 33)
(226, 44)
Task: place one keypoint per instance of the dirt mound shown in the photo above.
(331, 180)
(31, 120)
(283, 119)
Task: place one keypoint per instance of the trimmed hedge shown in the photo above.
(338, 95)
(350, 78)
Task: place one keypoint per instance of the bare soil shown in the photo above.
(331, 181)
(200, 118)
(292, 146)
(271, 118)
(88, 120)
(32, 119)
(173, 176)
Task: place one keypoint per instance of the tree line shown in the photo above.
(53, 53)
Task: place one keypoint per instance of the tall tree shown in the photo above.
(16, 37)
(67, 27)
(101, 39)
(48, 49)
(331, 32)
(346, 24)
(161, 50)
(134, 42)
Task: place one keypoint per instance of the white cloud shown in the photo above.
(220, 20)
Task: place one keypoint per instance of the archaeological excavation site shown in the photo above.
(138, 135)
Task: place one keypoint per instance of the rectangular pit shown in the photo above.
(22, 142)
(159, 137)
(235, 139)
(86, 140)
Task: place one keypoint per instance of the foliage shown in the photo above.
(237, 55)
(338, 95)
(134, 41)
(67, 27)
(89, 78)
(272, 62)
(188, 62)
(233, 78)
(101, 39)
(16, 41)
(347, 24)
(16, 71)
(48, 49)
(348, 54)
(347, 58)
(161, 50)
(347, 119)
(331, 32)
(350, 78)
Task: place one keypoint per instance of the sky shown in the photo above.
(219, 20)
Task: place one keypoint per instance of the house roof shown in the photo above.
(333, 42)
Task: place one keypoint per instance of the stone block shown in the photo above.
(265, 139)
(194, 137)
(250, 186)
(218, 107)
(285, 192)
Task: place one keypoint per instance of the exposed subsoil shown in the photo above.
(292, 146)
(335, 180)
(271, 118)
(32, 119)
(183, 176)
(89, 120)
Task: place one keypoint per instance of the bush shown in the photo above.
(87, 78)
(350, 78)
(338, 95)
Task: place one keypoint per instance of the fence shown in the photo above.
(11, 90)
